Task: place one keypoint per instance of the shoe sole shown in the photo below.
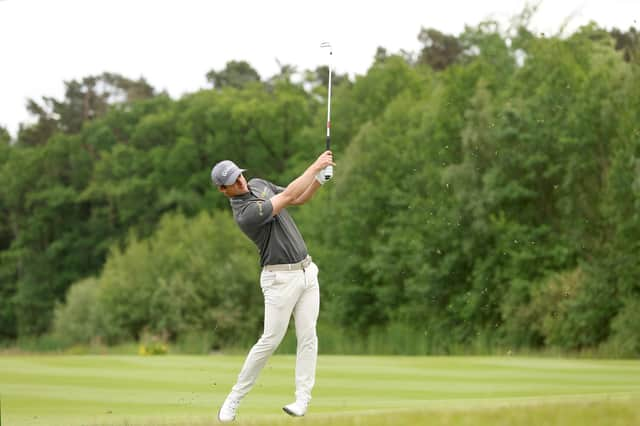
(291, 413)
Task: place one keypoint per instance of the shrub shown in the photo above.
(574, 309)
(75, 321)
(626, 331)
(198, 274)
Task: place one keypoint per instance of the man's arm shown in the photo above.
(307, 194)
(301, 184)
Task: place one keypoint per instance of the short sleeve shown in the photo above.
(255, 214)
(275, 188)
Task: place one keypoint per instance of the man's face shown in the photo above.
(238, 188)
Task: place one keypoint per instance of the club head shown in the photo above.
(326, 44)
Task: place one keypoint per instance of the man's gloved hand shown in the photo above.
(321, 178)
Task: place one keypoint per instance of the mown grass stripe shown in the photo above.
(114, 390)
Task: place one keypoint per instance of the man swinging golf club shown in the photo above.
(289, 278)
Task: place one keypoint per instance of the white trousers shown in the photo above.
(285, 293)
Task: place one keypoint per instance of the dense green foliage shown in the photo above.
(487, 194)
(175, 283)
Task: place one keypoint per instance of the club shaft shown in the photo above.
(328, 171)
(329, 108)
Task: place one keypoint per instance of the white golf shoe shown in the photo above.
(227, 412)
(296, 409)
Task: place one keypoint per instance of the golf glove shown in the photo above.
(320, 177)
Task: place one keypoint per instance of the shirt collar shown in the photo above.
(242, 197)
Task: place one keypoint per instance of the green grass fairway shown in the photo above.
(350, 390)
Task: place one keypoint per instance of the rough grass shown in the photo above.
(187, 390)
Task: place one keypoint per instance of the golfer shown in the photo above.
(289, 278)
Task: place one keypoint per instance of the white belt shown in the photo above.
(289, 266)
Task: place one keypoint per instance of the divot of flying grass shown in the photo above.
(350, 390)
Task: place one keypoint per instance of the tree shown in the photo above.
(50, 244)
(380, 55)
(319, 78)
(440, 50)
(491, 202)
(39, 133)
(5, 137)
(8, 326)
(84, 101)
(170, 284)
(236, 74)
(628, 42)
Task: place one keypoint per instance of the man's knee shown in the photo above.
(270, 341)
(307, 338)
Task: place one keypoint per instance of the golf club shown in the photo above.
(328, 171)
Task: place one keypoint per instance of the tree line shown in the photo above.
(486, 195)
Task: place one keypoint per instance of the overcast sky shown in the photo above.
(174, 43)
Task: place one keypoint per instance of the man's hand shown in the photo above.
(321, 176)
(293, 193)
(325, 159)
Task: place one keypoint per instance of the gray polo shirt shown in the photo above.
(277, 237)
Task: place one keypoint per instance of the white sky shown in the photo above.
(173, 44)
